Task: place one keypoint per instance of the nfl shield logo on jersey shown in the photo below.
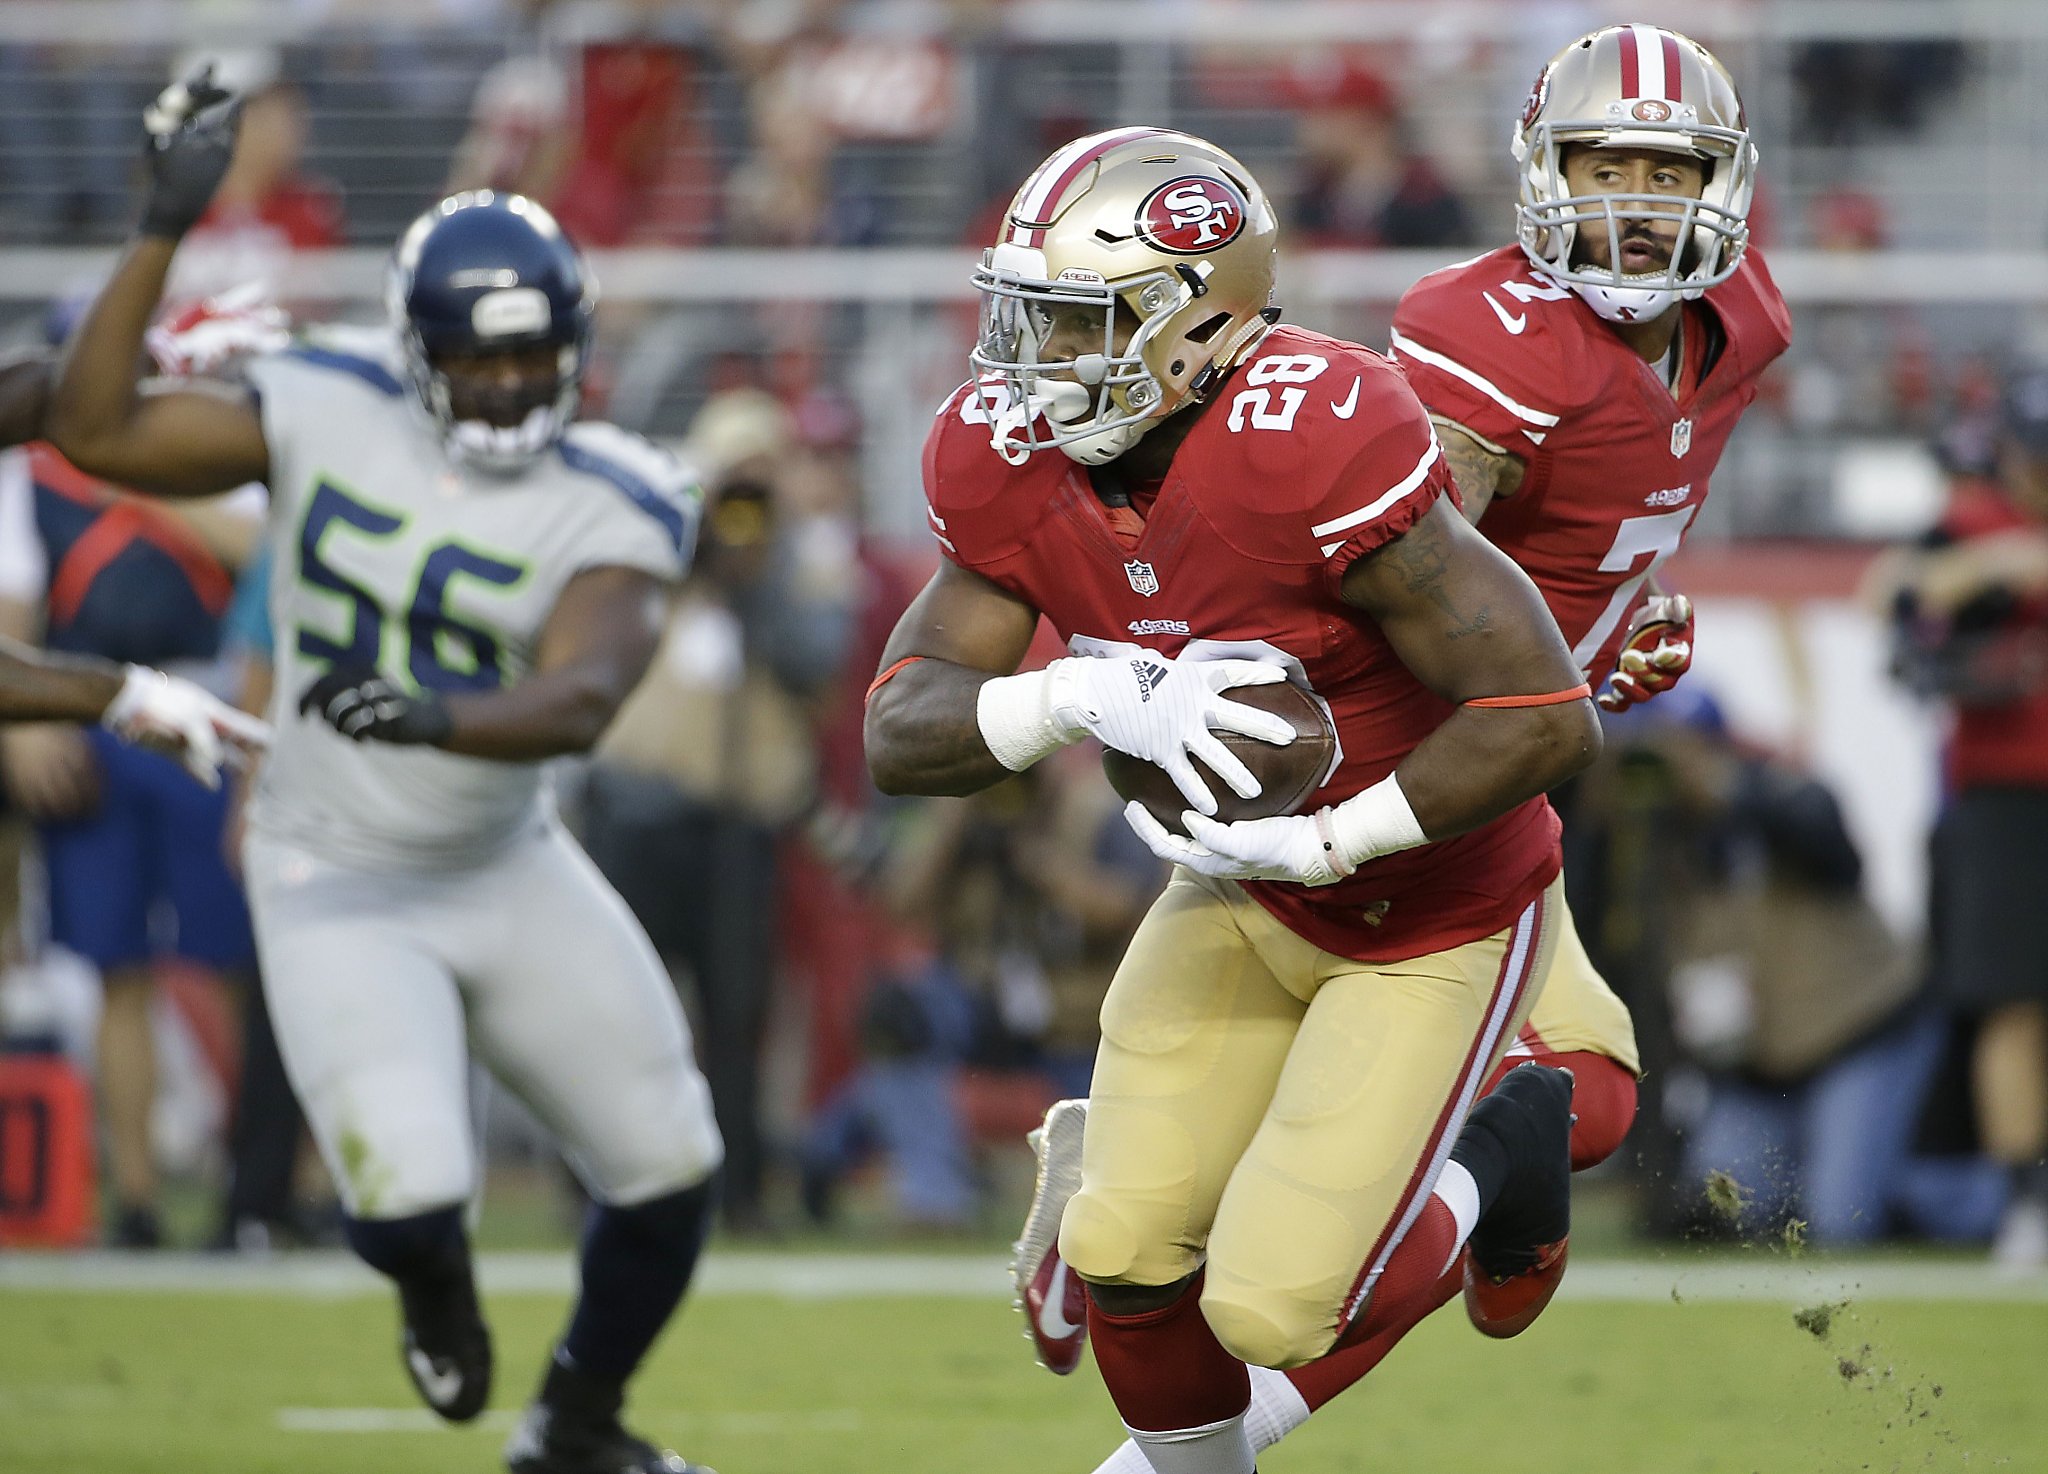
(1142, 578)
(1681, 438)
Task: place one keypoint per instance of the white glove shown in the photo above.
(1308, 849)
(241, 322)
(1288, 848)
(178, 719)
(1147, 705)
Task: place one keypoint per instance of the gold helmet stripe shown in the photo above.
(1040, 196)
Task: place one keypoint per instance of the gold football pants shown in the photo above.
(1279, 1110)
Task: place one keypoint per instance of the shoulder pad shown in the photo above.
(1494, 342)
(368, 355)
(1755, 311)
(1324, 445)
(981, 508)
(643, 472)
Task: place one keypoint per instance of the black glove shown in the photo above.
(189, 139)
(359, 703)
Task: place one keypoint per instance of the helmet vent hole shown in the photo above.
(1202, 332)
(1178, 367)
(1114, 240)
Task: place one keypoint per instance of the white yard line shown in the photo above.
(419, 1420)
(328, 1275)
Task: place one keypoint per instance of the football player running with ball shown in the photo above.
(467, 582)
(1281, 1148)
(1582, 409)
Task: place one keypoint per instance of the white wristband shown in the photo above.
(1374, 823)
(1015, 714)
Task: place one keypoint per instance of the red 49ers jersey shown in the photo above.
(1616, 467)
(1314, 453)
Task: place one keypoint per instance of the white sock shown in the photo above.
(1130, 1459)
(1277, 1409)
(1213, 1448)
(1461, 1195)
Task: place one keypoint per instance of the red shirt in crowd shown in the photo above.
(2003, 743)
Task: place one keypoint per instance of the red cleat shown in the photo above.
(1516, 1254)
(1052, 1297)
(1507, 1307)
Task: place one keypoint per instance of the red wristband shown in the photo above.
(1548, 698)
(887, 676)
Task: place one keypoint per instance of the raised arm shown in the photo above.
(594, 649)
(187, 441)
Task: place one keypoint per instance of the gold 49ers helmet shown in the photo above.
(1635, 87)
(1169, 226)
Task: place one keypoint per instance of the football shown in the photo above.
(1287, 775)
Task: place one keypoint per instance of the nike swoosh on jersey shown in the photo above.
(1052, 1317)
(1513, 322)
(1349, 407)
(440, 1387)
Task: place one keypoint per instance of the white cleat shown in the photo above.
(1053, 1299)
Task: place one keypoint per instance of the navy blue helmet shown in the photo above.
(494, 304)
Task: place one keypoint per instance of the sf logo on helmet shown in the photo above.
(1190, 216)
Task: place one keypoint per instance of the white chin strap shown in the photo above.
(1629, 304)
(504, 449)
(1063, 401)
(1105, 446)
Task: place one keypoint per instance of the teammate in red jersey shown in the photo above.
(1582, 411)
(1583, 408)
(1281, 1151)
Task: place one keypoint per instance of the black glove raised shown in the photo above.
(189, 139)
(361, 704)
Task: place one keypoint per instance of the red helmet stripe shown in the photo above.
(1631, 79)
(1045, 187)
(1674, 79)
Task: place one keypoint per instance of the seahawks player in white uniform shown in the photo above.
(466, 583)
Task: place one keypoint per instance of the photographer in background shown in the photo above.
(1805, 1017)
(713, 760)
(1971, 608)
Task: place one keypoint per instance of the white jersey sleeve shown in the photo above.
(651, 522)
(387, 554)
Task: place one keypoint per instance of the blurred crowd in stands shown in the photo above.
(887, 993)
(830, 123)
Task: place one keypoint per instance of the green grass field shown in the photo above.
(1620, 1377)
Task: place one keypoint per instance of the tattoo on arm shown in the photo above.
(1420, 557)
(1482, 473)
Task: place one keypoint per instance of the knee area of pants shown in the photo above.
(679, 1150)
(380, 1185)
(1266, 1334)
(1096, 1241)
(1604, 1103)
